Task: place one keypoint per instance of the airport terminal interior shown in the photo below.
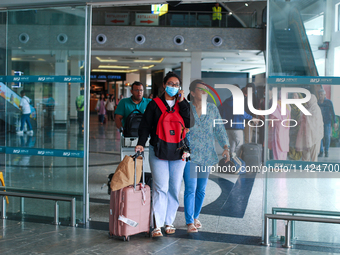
(56, 176)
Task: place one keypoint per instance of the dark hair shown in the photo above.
(193, 86)
(22, 92)
(250, 85)
(169, 75)
(137, 83)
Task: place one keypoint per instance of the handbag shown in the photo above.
(239, 164)
(234, 166)
(124, 175)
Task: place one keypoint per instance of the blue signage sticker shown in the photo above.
(303, 80)
(42, 152)
(40, 78)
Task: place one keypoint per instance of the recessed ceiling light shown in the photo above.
(106, 60)
(246, 4)
(114, 71)
(148, 61)
(109, 66)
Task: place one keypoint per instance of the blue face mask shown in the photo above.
(172, 91)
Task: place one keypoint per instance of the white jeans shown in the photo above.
(167, 177)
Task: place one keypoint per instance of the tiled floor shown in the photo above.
(231, 214)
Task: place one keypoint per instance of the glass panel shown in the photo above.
(306, 177)
(42, 95)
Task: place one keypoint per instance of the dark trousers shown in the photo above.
(326, 141)
(80, 119)
(110, 115)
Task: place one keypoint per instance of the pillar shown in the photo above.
(186, 76)
(75, 89)
(60, 88)
(196, 59)
(142, 79)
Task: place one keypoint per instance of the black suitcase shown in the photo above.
(252, 152)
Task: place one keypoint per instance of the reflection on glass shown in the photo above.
(39, 95)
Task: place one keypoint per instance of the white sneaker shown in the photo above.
(20, 132)
(30, 132)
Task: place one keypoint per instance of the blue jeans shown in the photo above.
(167, 178)
(25, 118)
(101, 118)
(326, 141)
(194, 192)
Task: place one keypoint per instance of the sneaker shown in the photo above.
(30, 132)
(320, 154)
(326, 154)
(20, 132)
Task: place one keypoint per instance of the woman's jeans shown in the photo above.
(25, 118)
(101, 118)
(194, 193)
(167, 178)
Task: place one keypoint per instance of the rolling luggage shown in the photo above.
(130, 209)
(252, 153)
(148, 181)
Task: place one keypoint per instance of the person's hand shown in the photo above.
(256, 121)
(226, 155)
(181, 98)
(139, 148)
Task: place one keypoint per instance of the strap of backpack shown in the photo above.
(162, 106)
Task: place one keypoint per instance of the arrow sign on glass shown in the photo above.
(145, 19)
(117, 21)
(116, 18)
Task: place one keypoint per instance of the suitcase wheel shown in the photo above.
(126, 239)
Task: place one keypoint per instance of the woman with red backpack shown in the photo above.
(165, 120)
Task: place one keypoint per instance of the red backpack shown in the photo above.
(170, 132)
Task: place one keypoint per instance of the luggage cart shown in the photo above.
(127, 147)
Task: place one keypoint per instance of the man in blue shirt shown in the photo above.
(127, 105)
(328, 116)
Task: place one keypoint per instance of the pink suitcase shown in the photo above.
(130, 206)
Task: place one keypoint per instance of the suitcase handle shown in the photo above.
(138, 153)
(255, 133)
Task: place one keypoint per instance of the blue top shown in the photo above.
(126, 106)
(327, 111)
(226, 110)
(202, 134)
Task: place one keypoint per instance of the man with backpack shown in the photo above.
(128, 105)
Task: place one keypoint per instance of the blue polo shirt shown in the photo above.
(126, 106)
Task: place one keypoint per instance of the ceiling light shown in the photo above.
(185, 49)
(147, 67)
(106, 60)
(230, 13)
(114, 71)
(148, 61)
(16, 59)
(246, 4)
(108, 66)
